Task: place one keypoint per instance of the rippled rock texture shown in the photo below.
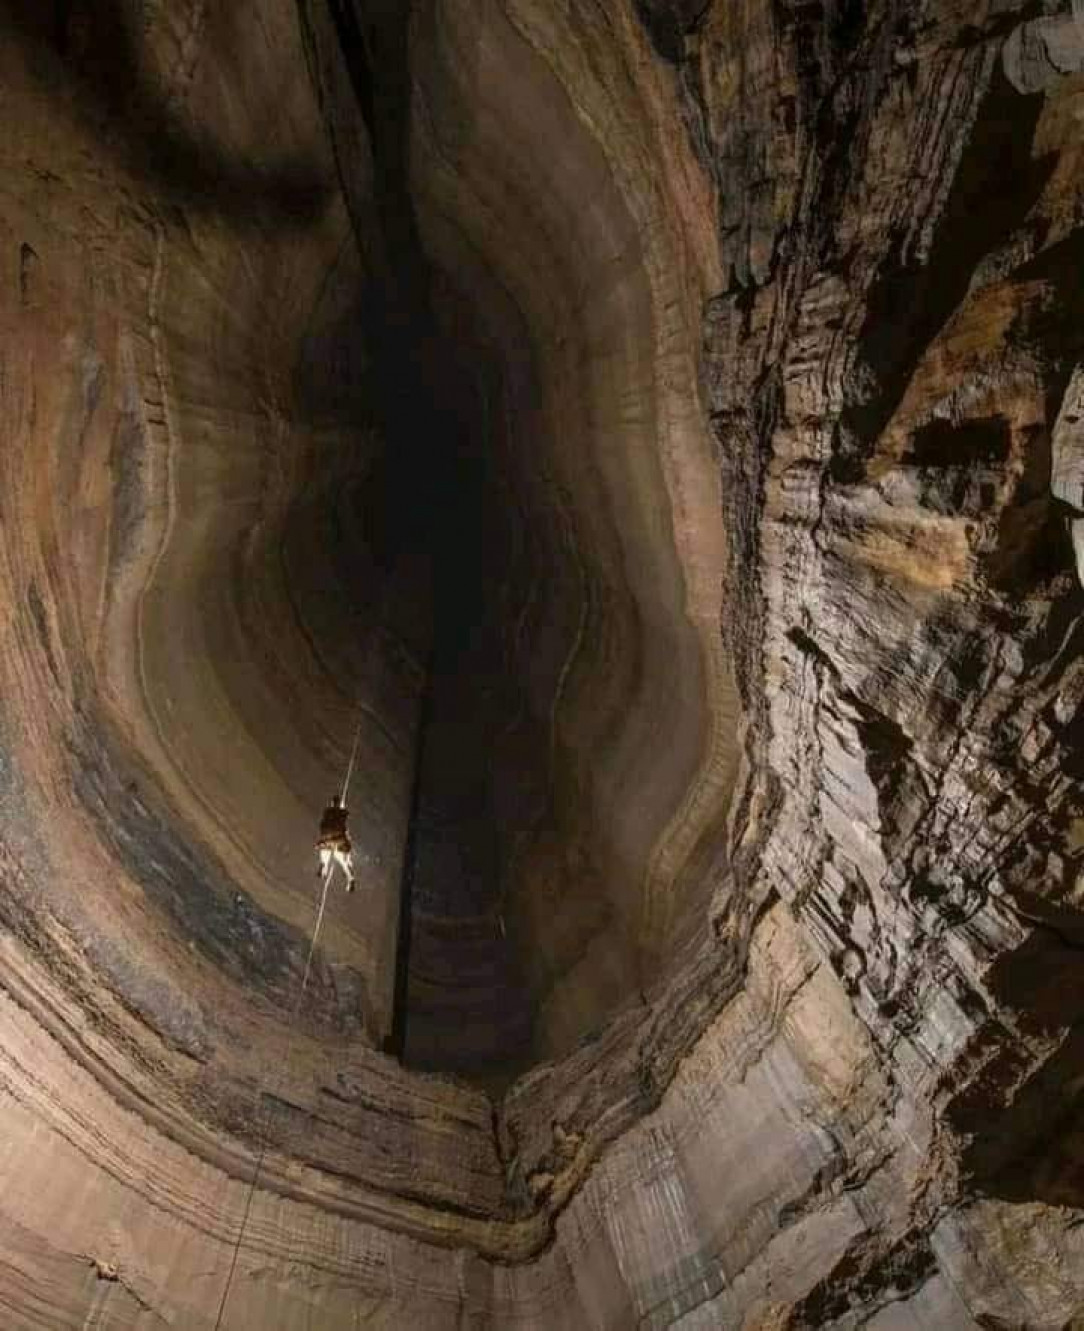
(654, 428)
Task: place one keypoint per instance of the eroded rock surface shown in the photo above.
(655, 428)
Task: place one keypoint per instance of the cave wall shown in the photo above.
(586, 274)
(778, 304)
(164, 472)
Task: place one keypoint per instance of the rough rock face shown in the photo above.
(656, 428)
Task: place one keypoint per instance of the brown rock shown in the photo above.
(645, 436)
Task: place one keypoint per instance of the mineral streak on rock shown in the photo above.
(656, 429)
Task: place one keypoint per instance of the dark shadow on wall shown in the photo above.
(423, 518)
(85, 55)
(1032, 1148)
(1022, 1119)
(669, 21)
(913, 297)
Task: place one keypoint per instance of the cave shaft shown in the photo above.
(653, 429)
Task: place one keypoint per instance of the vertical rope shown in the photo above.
(293, 1018)
(353, 756)
(319, 921)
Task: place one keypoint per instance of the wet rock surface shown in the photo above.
(655, 427)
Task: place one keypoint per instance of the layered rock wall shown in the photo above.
(758, 325)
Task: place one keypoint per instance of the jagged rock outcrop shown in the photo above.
(655, 426)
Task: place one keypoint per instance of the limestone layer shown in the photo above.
(651, 430)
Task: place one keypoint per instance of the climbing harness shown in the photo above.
(293, 1018)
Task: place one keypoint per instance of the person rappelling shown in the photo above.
(333, 843)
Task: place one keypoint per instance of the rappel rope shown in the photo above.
(330, 867)
(350, 765)
(293, 1018)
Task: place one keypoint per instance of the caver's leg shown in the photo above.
(346, 859)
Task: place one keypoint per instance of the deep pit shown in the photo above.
(648, 430)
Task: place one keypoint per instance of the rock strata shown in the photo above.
(653, 430)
